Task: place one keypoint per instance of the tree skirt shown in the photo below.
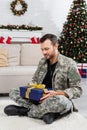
(72, 121)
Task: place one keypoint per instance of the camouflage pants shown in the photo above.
(58, 103)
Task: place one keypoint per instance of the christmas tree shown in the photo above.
(73, 38)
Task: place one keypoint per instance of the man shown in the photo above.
(61, 77)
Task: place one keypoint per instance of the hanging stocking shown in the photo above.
(2, 39)
(33, 41)
(38, 40)
(8, 41)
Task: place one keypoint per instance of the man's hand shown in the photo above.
(50, 93)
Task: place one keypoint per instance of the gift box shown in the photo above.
(33, 94)
(36, 94)
(82, 67)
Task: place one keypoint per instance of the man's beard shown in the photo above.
(49, 57)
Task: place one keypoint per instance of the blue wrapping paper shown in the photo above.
(23, 90)
(36, 94)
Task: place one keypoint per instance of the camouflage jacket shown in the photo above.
(65, 77)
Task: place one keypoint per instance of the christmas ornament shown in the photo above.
(8, 41)
(1, 39)
(21, 27)
(19, 11)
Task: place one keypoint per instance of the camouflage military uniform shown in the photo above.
(65, 78)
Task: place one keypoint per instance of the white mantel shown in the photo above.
(20, 35)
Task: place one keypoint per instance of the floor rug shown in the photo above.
(72, 121)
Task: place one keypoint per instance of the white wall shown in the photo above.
(50, 14)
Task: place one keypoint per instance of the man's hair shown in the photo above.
(51, 37)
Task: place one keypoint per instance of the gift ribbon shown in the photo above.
(35, 85)
(28, 92)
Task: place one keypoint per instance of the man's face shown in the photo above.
(48, 49)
